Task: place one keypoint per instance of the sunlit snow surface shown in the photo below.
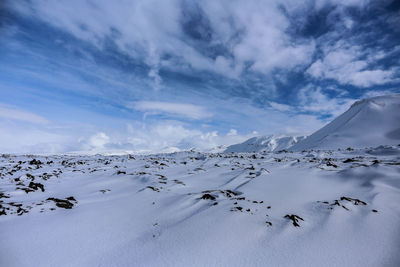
(196, 209)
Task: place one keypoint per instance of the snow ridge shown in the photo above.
(367, 123)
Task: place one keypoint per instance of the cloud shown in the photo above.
(351, 64)
(172, 109)
(14, 113)
(315, 100)
(229, 38)
(99, 140)
(280, 107)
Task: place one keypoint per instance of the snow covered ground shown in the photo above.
(312, 208)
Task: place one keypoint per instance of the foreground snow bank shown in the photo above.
(317, 208)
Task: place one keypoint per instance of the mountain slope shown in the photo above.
(367, 123)
(265, 143)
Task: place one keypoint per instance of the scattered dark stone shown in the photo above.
(21, 211)
(35, 162)
(3, 212)
(179, 182)
(208, 196)
(241, 198)
(343, 206)
(349, 160)
(268, 223)
(255, 201)
(354, 200)
(2, 195)
(26, 189)
(336, 202)
(235, 203)
(36, 186)
(268, 207)
(239, 208)
(294, 218)
(30, 176)
(63, 203)
(331, 164)
(121, 172)
(374, 210)
(153, 188)
(248, 210)
(375, 161)
(215, 203)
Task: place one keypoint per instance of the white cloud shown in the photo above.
(14, 113)
(280, 107)
(313, 99)
(172, 109)
(251, 32)
(350, 65)
(99, 140)
(232, 132)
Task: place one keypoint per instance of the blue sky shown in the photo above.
(162, 75)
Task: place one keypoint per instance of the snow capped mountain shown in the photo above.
(265, 143)
(367, 123)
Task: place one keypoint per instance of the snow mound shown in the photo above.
(267, 143)
(367, 123)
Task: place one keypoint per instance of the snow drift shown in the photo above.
(267, 143)
(367, 123)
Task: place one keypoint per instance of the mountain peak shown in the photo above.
(368, 122)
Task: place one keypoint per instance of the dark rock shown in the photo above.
(294, 218)
(354, 200)
(208, 196)
(36, 186)
(35, 162)
(63, 203)
(153, 188)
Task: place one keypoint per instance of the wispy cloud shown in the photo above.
(14, 113)
(172, 109)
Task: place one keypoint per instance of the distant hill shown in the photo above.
(265, 143)
(367, 123)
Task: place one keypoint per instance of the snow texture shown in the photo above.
(306, 207)
(326, 208)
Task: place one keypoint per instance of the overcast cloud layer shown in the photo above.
(146, 75)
